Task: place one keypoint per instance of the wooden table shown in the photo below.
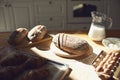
(79, 70)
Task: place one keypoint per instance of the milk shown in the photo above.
(97, 32)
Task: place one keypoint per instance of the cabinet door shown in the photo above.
(51, 13)
(21, 14)
(114, 12)
(52, 23)
(4, 18)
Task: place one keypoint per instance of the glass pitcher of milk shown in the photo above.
(100, 22)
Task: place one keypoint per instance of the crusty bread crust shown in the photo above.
(37, 33)
(18, 36)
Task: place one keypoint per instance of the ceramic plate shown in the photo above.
(62, 53)
(111, 42)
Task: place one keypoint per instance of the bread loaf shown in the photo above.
(72, 44)
(18, 36)
(37, 33)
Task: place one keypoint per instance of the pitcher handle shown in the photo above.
(110, 22)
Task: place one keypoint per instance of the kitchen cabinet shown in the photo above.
(79, 13)
(21, 14)
(28, 13)
(55, 14)
(4, 18)
(51, 13)
(15, 14)
(114, 12)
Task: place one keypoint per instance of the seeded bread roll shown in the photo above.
(18, 36)
(37, 33)
(72, 44)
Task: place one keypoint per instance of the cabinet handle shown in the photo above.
(9, 5)
(50, 2)
(51, 19)
(6, 5)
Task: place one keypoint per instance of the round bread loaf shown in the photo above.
(72, 44)
(37, 33)
(18, 36)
